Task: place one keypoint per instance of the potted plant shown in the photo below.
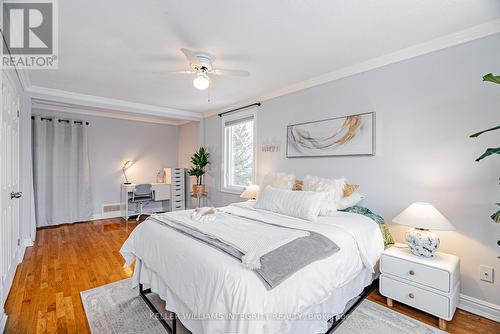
(199, 161)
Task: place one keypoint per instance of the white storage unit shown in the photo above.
(428, 284)
(178, 200)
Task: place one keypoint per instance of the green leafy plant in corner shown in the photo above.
(491, 150)
(199, 161)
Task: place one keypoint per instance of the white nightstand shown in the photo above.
(428, 284)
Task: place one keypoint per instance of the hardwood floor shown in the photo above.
(45, 296)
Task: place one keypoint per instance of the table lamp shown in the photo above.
(125, 166)
(250, 192)
(423, 217)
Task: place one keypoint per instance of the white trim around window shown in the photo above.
(226, 173)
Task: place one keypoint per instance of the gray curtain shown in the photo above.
(61, 171)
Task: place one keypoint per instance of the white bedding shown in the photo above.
(212, 284)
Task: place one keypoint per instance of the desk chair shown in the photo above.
(142, 196)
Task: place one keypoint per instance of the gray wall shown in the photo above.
(425, 107)
(113, 141)
(189, 141)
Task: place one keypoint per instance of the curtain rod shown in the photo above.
(244, 107)
(61, 120)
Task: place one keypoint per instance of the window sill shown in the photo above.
(232, 191)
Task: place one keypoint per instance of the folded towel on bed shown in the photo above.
(205, 214)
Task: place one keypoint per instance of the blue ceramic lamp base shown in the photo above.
(422, 242)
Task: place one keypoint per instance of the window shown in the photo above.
(238, 168)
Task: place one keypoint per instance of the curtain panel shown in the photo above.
(61, 171)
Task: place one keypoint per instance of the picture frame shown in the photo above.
(351, 135)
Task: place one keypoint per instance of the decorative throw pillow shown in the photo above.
(298, 204)
(333, 187)
(298, 185)
(349, 189)
(388, 239)
(351, 200)
(278, 180)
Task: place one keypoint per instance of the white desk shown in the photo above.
(161, 192)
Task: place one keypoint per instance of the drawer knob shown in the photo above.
(411, 295)
(411, 272)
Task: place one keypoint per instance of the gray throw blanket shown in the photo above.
(277, 265)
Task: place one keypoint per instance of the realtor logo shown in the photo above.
(30, 34)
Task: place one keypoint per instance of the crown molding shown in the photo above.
(440, 43)
(98, 112)
(112, 105)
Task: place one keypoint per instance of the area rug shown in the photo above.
(117, 308)
(370, 317)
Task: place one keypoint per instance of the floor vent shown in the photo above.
(110, 208)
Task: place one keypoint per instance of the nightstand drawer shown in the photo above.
(408, 294)
(419, 273)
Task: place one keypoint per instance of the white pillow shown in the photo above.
(278, 180)
(299, 204)
(333, 187)
(351, 200)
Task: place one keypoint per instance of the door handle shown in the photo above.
(14, 195)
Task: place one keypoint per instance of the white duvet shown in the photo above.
(217, 288)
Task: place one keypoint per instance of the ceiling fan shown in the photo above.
(201, 66)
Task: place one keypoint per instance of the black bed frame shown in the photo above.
(336, 320)
(170, 329)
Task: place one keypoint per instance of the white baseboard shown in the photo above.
(107, 215)
(3, 321)
(479, 307)
(28, 242)
(24, 244)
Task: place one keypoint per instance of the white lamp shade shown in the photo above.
(250, 192)
(127, 164)
(424, 216)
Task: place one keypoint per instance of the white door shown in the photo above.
(9, 185)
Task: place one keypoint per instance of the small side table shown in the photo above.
(430, 284)
(201, 199)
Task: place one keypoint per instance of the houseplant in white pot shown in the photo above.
(199, 161)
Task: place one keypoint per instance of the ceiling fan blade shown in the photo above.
(234, 73)
(174, 72)
(182, 72)
(190, 56)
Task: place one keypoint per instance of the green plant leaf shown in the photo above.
(199, 161)
(496, 217)
(488, 152)
(481, 132)
(492, 78)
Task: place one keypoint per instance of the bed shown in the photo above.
(211, 292)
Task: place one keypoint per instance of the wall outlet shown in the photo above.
(486, 273)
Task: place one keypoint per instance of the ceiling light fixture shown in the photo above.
(201, 82)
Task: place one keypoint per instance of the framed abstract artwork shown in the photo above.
(341, 136)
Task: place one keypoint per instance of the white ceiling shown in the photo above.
(111, 48)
